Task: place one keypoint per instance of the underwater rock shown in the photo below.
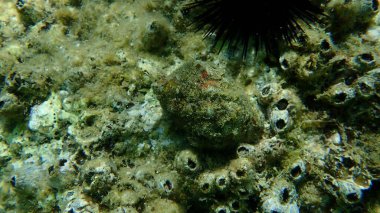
(213, 111)
(121, 198)
(32, 11)
(75, 201)
(31, 180)
(98, 176)
(10, 106)
(87, 124)
(163, 206)
(312, 197)
(44, 117)
(126, 192)
(265, 153)
(124, 210)
(155, 37)
(350, 15)
(272, 205)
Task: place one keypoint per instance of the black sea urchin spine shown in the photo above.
(254, 25)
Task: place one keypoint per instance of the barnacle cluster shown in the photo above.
(119, 106)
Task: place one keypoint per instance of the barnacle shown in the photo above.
(242, 24)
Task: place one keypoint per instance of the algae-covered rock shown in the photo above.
(212, 110)
(88, 125)
(351, 15)
(163, 205)
(32, 12)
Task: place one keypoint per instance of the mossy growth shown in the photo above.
(212, 110)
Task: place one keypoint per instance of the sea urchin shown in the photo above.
(252, 24)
